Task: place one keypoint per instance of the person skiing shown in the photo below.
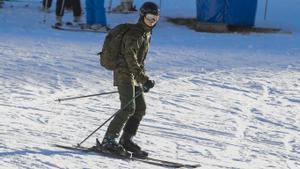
(130, 78)
(60, 7)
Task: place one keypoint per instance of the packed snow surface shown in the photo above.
(220, 100)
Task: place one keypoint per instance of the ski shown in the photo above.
(80, 28)
(148, 160)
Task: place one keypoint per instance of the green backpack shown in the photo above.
(109, 56)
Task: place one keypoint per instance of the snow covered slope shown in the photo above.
(221, 100)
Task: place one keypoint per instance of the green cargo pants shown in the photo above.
(131, 115)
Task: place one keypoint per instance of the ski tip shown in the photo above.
(58, 100)
(55, 27)
(194, 166)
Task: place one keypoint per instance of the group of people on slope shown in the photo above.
(95, 11)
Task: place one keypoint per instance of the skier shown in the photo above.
(95, 14)
(130, 78)
(125, 6)
(60, 6)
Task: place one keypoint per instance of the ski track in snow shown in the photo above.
(221, 100)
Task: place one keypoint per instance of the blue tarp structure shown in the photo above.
(230, 12)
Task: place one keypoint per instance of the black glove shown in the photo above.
(148, 85)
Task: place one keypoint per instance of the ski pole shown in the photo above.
(46, 4)
(79, 97)
(160, 4)
(266, 9)
(123, 108)
(46, 8)
(62, 8)
(109, 6)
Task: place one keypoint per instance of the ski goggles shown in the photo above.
(152, 18)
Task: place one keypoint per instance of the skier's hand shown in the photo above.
(148, 85)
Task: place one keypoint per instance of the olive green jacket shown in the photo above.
(135, 45)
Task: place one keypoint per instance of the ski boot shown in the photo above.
(129, 145)
(77, 21)
(97, 26)
(110, 145)
(58, 21)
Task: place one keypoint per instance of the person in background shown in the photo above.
(60, 7)
(125, 6)
(95, 14)
(68, 5)
(46, 5)
(1, 3)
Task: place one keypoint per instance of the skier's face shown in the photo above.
(150, 19)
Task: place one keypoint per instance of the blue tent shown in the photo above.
(230, 12)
